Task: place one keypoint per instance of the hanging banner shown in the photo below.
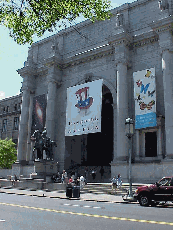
(145, 98)
(39, 112)
(83, 113)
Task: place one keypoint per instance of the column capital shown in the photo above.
(54, 75)
(164, 28)
(27, 71)
(122, 38)
(121, 43)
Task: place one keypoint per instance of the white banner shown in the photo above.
(83, 113)
(145, 98)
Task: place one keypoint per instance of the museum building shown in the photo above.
(132, 54)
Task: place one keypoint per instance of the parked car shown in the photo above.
(161, 191)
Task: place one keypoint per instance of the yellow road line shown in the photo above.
(90, 215)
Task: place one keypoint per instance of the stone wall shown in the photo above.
(143, 172)
(5, 172)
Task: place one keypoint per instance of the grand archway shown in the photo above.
(94, 149)
(100, 145)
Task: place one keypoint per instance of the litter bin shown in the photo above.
(76, 191)
(69, 189)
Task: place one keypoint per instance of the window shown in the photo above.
(4, 110)
(16, 123)
(7, 110)
(150, 144)
(4, 125)
(15, 107)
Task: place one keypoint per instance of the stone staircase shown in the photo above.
(106, 188)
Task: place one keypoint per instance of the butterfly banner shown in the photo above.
(145, 98)
(83, 112)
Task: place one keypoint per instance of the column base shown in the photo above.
(17, 169)
(22, 162)
(139, 159)
(122, 159)
(168, 158)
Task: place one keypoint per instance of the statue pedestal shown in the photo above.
(45, 168)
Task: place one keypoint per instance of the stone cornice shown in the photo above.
(163, 24)
(27, 71)
(93, 55)
(121, 38)
(145, 38)
(11, 98)
(51, 61)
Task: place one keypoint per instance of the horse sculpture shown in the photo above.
(42, 142)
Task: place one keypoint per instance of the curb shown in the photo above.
(66, 198)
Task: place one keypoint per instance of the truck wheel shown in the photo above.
(144, 200)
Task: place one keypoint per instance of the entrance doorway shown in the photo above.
(100, 145)
(93, 149)
(150, 144)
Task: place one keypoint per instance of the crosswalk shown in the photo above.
(83, 206)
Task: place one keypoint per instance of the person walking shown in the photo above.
(93, 174)
(82, 179)
(114, 183)
(119, 181)
(64, 175)
(101, 171)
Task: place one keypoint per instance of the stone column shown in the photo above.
(114, 106)
(122, 111)
(50, 110)
(29, 149)
(163, 28)
(167, 68)
(23, 127)
(120, 43)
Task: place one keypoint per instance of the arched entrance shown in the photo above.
(94, 149)
(100, 145)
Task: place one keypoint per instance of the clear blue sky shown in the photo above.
(13, 56)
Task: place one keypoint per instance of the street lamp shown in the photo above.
(129, 134)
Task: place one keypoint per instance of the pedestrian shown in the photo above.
(53, 178)
(64, 175)
(93, 174)
(82, 179)
(14, 180)
(101, 171)
(119, 181)
(114, 183)
(15, 177)
(70, 180)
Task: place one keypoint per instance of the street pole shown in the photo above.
(130, 170)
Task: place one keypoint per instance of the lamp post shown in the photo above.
(129, 134)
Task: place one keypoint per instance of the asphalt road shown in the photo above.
(25, 212)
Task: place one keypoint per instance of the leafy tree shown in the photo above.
(26, 18)
(8, 153)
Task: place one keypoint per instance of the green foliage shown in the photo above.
(26, 18)
(8, 153)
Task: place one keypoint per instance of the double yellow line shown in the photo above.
(91, 215)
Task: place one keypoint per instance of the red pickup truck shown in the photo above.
(161, 191)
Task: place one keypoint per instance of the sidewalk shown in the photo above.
(62, 195)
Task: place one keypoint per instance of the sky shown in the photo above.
(13, 56)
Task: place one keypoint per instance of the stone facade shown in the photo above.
(137, 37)
(10, 110)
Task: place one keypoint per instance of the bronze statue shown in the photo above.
(42, 142)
